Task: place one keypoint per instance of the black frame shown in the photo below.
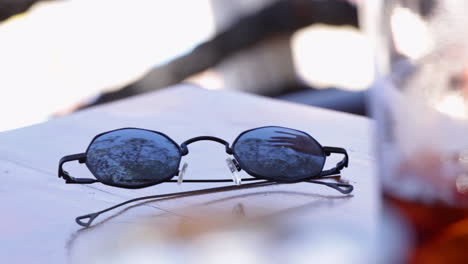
(183, 151)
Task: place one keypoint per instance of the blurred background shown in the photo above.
(58, 56)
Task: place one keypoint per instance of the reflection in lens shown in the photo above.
(132, 157)
(279, 153)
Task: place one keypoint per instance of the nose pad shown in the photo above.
(234, 167)
(180, 177)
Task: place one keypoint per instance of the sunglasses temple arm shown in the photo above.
(81, 220)
(81, 158)
(340, 165)
(214, 181)
(341, 187)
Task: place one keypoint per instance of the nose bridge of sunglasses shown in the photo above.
(184, 145)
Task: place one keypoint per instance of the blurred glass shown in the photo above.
(420, 106)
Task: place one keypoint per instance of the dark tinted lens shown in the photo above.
(132, 157)
(279, 153)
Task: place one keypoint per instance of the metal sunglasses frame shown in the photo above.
(343, 188)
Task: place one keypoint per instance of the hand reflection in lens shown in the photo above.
(299, 143)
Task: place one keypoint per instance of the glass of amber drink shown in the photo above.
(420, 104)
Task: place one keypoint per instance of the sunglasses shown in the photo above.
(136, 158)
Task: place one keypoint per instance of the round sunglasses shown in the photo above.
(137, 158)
